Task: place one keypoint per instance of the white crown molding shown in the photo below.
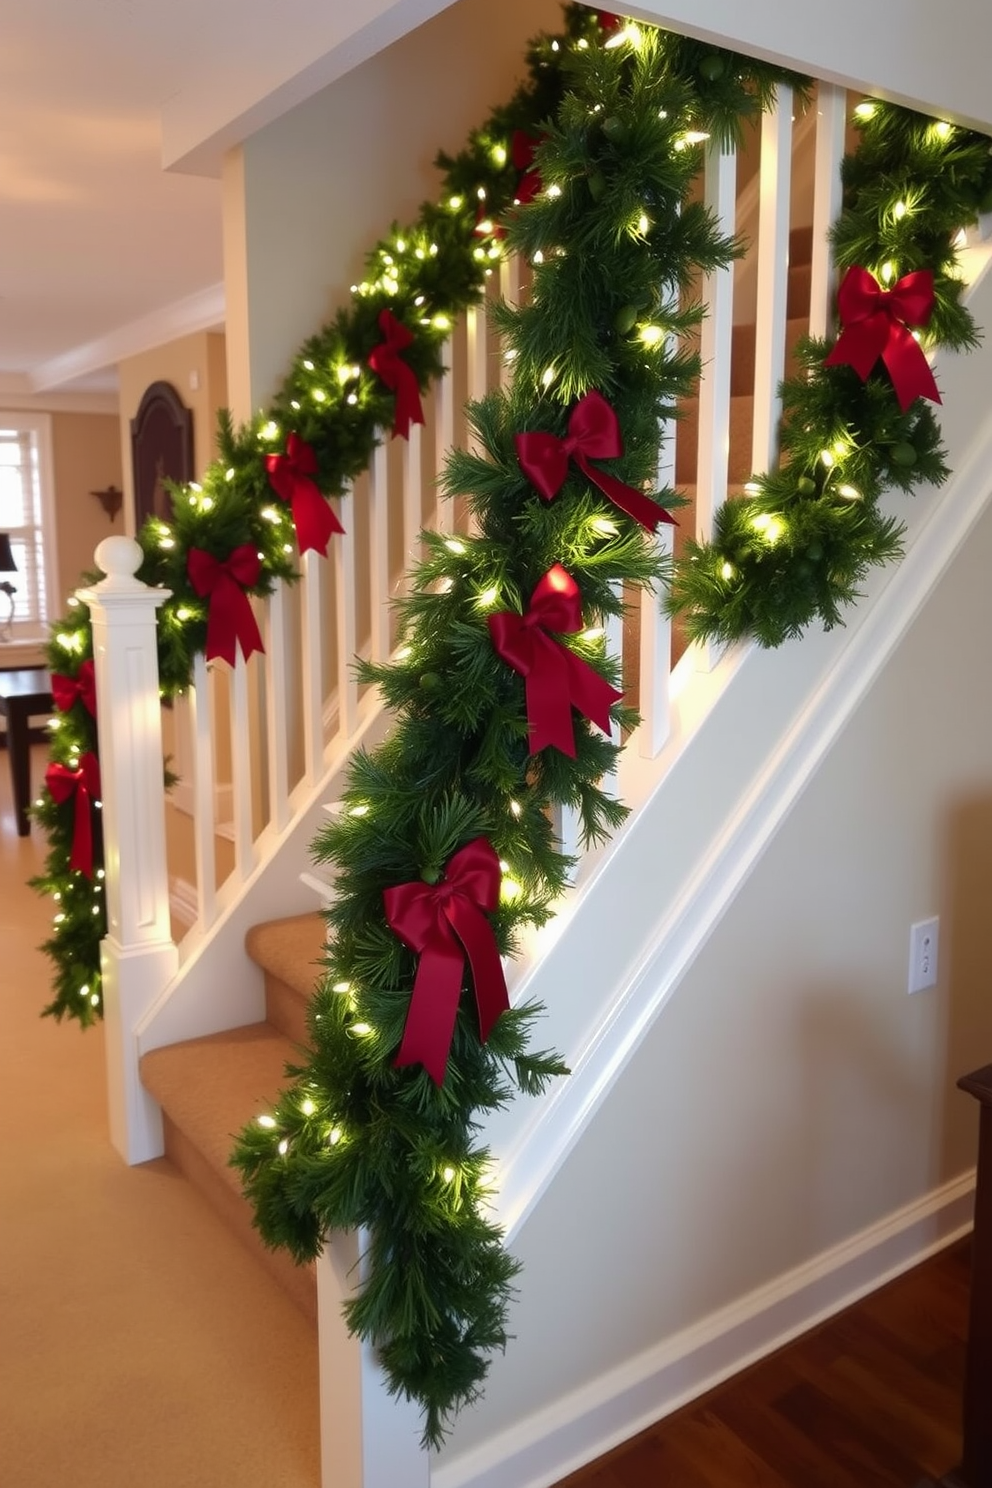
(17, 394)
(203, 311)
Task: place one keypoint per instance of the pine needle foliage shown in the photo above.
(426, 273)
(355, 1142)
(79, 919)
(799, 547)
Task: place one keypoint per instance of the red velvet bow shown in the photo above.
(386, 362)
(876, 322)
(290, 478)
(444, 923)
(523, 148)
(608, 21)
(82, 688)
(84, 784)
(556, 679)
(230, 618)
(593, 434)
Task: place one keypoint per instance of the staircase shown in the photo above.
(208, 1088)
(741, 737)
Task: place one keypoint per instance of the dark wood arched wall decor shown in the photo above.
(161, 449)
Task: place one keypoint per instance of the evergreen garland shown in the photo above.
(613, 119)
(356, 1142)
(799, 547)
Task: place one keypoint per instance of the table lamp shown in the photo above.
(7, 565)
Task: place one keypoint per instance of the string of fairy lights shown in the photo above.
(355, 1142)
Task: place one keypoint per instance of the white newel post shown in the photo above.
(368, 1438)
(138, 955)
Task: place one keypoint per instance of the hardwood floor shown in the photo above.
(871, 1399)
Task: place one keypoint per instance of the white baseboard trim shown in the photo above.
(580, 1427)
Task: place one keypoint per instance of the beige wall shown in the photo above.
(792, 1093)
(195, 366)
(315, 202)
(86, 451)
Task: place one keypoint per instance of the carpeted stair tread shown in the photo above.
(290, 949)
(210, 1087)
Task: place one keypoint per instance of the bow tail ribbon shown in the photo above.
(627, 498)
(66, 691)
(84, 784)
(399, 378)
(911, 373)
(313, 517)
(530, 184)
(231, 622)
(430, 1022)
(557, 681)
(548, 694)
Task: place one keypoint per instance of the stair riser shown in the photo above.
(299, 1282)
(285, 1009)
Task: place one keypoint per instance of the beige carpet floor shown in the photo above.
(139, 1343)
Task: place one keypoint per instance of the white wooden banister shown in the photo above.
(138, 956)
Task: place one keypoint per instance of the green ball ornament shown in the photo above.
(614, 128)
(903, 454)
(430, 681)
(805, 486)
(713, 67)
(597, 185)
(814, 552)
(626, 319)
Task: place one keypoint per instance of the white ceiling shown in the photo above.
(103, 252)
(114, 116)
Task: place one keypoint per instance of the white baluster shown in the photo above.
(716, 347)
(204, 794)
(444, 437)
(613, 628)
(413, 511)
(138, 957)
(345, 589)
(241, 778)
(312, 621)
(773, 277)
(655, 663)
(276, 710)
(827, 193)
(509, 288)
(379, 548)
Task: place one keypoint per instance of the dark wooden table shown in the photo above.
(23, 695)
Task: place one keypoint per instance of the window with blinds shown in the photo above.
(22, 506)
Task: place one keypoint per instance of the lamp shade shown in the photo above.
(7, 564)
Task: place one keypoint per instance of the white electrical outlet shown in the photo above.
(923, 941)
